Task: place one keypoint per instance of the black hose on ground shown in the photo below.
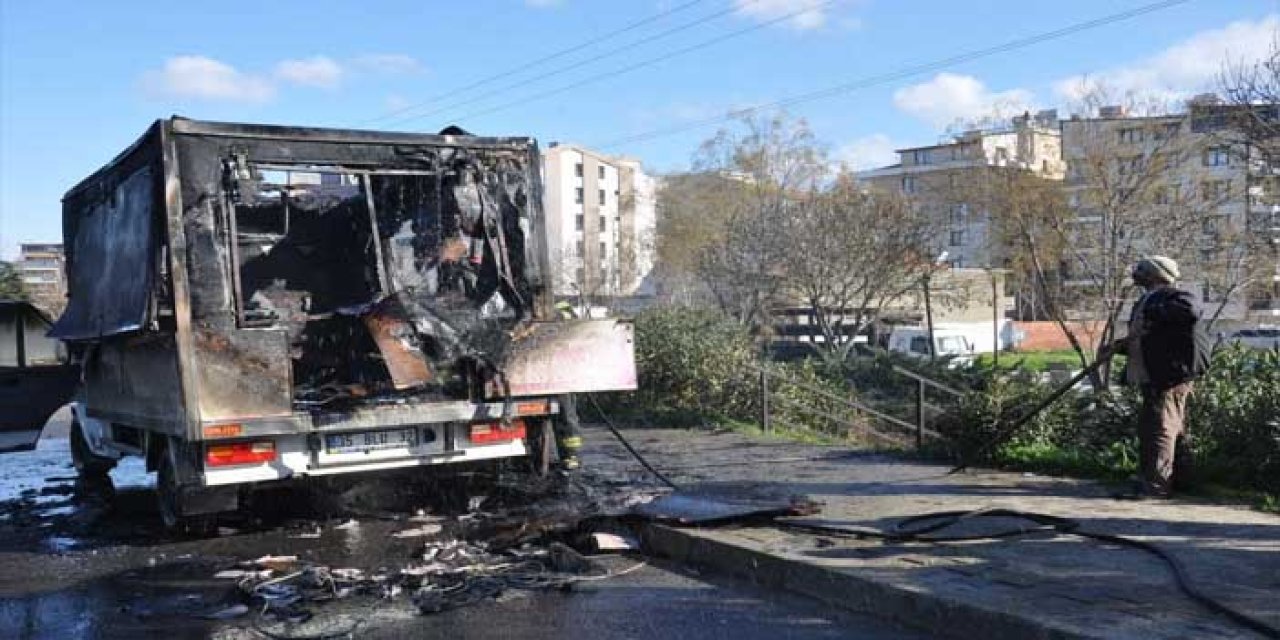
(635, 454)
(919, 529)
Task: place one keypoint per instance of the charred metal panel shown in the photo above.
(243, 374)
(134, 380)
(111, 261)
(568, 357)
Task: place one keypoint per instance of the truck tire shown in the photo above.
(169, 498)
(542, 447)
(89, 465)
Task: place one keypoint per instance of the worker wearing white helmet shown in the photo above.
(1168, 349)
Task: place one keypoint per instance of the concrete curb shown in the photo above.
(939, 615)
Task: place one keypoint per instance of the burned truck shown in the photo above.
(255, 304)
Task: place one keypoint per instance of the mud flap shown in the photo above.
(198, 501)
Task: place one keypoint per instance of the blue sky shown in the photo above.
(80, 80)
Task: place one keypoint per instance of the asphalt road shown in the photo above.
(75, 566)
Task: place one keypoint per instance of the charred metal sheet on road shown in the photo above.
(721, 505)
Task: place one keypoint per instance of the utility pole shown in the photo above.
(928, 314)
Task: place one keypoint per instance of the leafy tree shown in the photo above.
(11, 287)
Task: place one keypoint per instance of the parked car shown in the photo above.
(948, 343)
(1259, 338)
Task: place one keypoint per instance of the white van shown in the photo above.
(914, 341)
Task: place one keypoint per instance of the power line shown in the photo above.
(646, 63)
(534, 63)
(900, 74)
(732, 8)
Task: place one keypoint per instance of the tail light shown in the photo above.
(222, 455)
(491, 432)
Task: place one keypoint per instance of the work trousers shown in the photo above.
(1161, 424)
(568, 431)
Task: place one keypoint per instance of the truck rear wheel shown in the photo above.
(89, 465)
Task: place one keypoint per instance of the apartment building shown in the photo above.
(41, 267)
(938, 177)
(1174, 184)
(601, 218)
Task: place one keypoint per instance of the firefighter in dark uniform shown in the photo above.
(566, 425)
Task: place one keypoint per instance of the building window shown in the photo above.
(1131, 135)
(580, 274)
(579, 221)
(908, 184)
(581, 248)
(1166, 195)
(578, 195)
(600, 172)
(604, 250)
(957, 238)
(603, 221)
(601, 195)
(958, 213)
(577, 170)
(1129, 165)
(957, 152)
(1214, 190)
(1216, 157)
(920, 156)
(1168, 130)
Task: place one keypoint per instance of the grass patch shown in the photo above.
(1033, 360)
(1113, 464)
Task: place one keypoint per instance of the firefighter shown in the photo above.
(567, 426)
(1168, 349)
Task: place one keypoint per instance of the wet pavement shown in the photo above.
(75, 564)
(1037, 585)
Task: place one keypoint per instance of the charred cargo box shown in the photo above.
(357, 299)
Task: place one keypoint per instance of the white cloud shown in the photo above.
(949, 98)
(388, 63)
(1186, 68)
(317, 71)
(868, 152)
(204, 78)
(396, 102)
(809, 14)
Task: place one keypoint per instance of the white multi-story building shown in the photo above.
(42, 269)
(1181, 188)
(601, 217)
(939, 178)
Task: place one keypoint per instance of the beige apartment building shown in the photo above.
(42, 270)
(601, 218)
(935, 176)
(1177, 187)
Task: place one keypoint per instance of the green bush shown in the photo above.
(694, 365)
(1234, 419)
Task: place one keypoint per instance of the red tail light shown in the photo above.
(222, 455)
(491, 432)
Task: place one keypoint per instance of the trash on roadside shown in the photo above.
(419, 532)
(226, 613)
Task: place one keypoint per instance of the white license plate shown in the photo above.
(370, 440)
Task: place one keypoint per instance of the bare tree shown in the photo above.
(1250, 117)
(722, 222)
(849, 253)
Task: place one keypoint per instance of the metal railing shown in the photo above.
(771, 380)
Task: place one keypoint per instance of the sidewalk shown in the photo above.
(1036, 586)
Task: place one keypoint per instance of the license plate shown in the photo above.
(370, 440)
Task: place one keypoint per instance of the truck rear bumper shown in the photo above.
(318, 455)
